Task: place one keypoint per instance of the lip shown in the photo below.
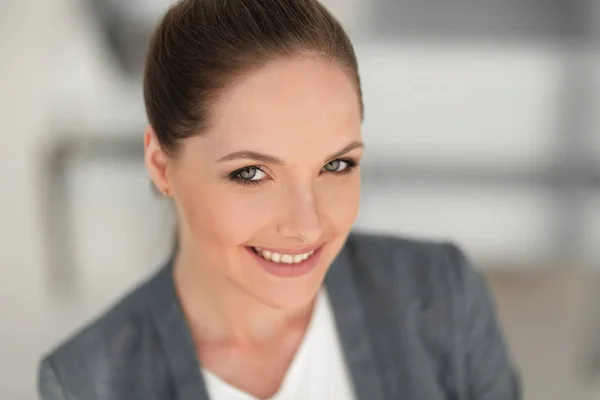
(293, 252)
(289, 270)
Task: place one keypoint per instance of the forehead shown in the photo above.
(287, 103)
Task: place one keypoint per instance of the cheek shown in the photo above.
(223, 215)
(339, 200)
(244, 212)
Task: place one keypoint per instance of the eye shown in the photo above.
(250, 174)
(336, 166)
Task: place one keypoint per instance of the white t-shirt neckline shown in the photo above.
(317, 371)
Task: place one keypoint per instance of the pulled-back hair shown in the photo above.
(202, 46)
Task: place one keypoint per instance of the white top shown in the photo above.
(318, 370)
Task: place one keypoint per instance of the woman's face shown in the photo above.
(274, 179)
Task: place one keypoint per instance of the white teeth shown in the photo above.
(283, 258)
(276, 257)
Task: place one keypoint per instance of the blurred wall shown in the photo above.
(47, 49)
(448, 105)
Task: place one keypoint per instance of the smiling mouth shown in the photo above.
(281, 258)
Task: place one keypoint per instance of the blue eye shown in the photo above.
(340, 166)
(248, 175)
(335, 166)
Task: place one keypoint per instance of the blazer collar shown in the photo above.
(180, 353)
(175, 338)
(352, 328)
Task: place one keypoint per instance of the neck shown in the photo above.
(218, 311)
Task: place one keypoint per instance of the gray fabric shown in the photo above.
(415, 321)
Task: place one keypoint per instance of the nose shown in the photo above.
(301, 220)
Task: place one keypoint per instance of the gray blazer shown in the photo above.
(416, 322)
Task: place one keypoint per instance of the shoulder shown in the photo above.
(422, 268)
(113, 344)
(128, 314)
(428, 294)
(427, 284)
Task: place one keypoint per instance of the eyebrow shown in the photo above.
(265, 158)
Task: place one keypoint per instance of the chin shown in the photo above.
(292, 298)
(288, 291)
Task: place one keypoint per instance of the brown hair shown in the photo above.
(201, 46)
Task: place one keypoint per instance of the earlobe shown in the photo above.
(156, 161)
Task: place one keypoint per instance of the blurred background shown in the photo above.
(482, 126)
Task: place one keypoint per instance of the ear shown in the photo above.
(156, 161)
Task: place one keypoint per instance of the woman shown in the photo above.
(255, 117)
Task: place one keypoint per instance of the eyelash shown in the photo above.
(235, 175)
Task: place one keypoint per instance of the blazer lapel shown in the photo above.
(175, 338)
(352, 328)
(174, 334)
